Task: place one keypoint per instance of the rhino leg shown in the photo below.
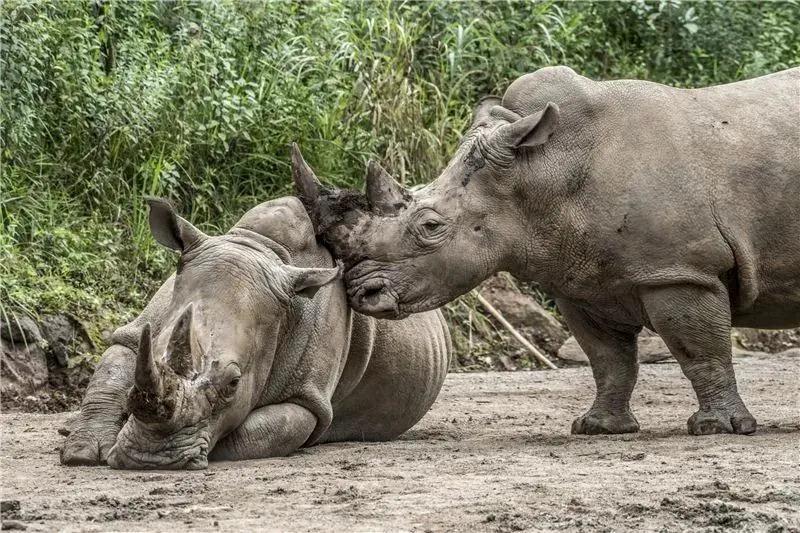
(269, 431)
(612, 353)
(103, 410)
(695, 322)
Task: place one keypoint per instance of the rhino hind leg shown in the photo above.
(695, 323)
(612, 353)
(103, 410)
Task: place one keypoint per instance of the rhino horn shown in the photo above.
(306, 184)
(149, 400)
(147, 378)
(384, 194)
(179, 348)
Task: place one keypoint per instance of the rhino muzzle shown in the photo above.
(142, 447)
(374, 297)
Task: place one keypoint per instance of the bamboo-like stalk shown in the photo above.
(506, 324)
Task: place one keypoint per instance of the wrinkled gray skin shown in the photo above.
(634, 203)
(251, 351)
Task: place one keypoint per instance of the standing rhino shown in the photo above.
(634, 203)
(250, 350)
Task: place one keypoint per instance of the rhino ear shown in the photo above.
(532, 130)
(384, 194)
(169, 229)
(481, 112)
(306, 184)
(306, 282)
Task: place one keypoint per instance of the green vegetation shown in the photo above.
(103, 102)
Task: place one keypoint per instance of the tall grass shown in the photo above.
(103, 102)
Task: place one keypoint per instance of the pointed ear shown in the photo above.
(306, 282)
(481, 112)
(384, 194)
(532, 130)
(169, 229)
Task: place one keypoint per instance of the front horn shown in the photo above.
(150, 399)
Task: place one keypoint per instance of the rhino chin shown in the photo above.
(141, 448)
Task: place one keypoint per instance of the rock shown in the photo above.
(524, 313)
(571, 351)
(507, 363)
(791, 352)
(766, 340)
(24, 362)
(651, 349)
(9, 506)
(65, 338)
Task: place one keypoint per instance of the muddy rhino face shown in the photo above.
(408, 252)
(202, 372)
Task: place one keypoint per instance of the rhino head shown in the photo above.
(408, 252)
(202, 372)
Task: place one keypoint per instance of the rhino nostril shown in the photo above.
(372, 296)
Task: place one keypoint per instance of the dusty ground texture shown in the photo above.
(494, 454)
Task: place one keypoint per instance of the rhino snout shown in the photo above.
(375, 297)
(140, 447)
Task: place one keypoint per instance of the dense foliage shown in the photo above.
(104, 101)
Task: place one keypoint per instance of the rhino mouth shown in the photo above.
(140, 447)
(375, 297)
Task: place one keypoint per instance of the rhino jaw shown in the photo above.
(375, 297)
(142, 447)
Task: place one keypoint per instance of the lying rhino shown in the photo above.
(634, 203)
(251, 351)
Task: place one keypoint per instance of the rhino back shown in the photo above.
(672, 186)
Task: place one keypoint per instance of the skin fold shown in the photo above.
(633, 203)
(250, 350)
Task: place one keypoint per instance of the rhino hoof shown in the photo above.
(596, 422)
(712, 421)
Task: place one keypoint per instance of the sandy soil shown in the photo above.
(494, 454)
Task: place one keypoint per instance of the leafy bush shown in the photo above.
(103, 102)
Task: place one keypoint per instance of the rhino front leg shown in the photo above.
(695, 322)
(612, 353)
(103, 410)
(269, 431)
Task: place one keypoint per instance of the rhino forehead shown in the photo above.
(232, 269)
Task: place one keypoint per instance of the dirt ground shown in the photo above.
(494, 454)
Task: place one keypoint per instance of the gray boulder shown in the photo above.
(24, 363)
(65, 337)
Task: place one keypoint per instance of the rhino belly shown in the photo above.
(406, 370)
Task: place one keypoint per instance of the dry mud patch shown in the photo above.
(494, 454)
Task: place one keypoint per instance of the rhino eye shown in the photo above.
(432, 225)
(230, 389)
